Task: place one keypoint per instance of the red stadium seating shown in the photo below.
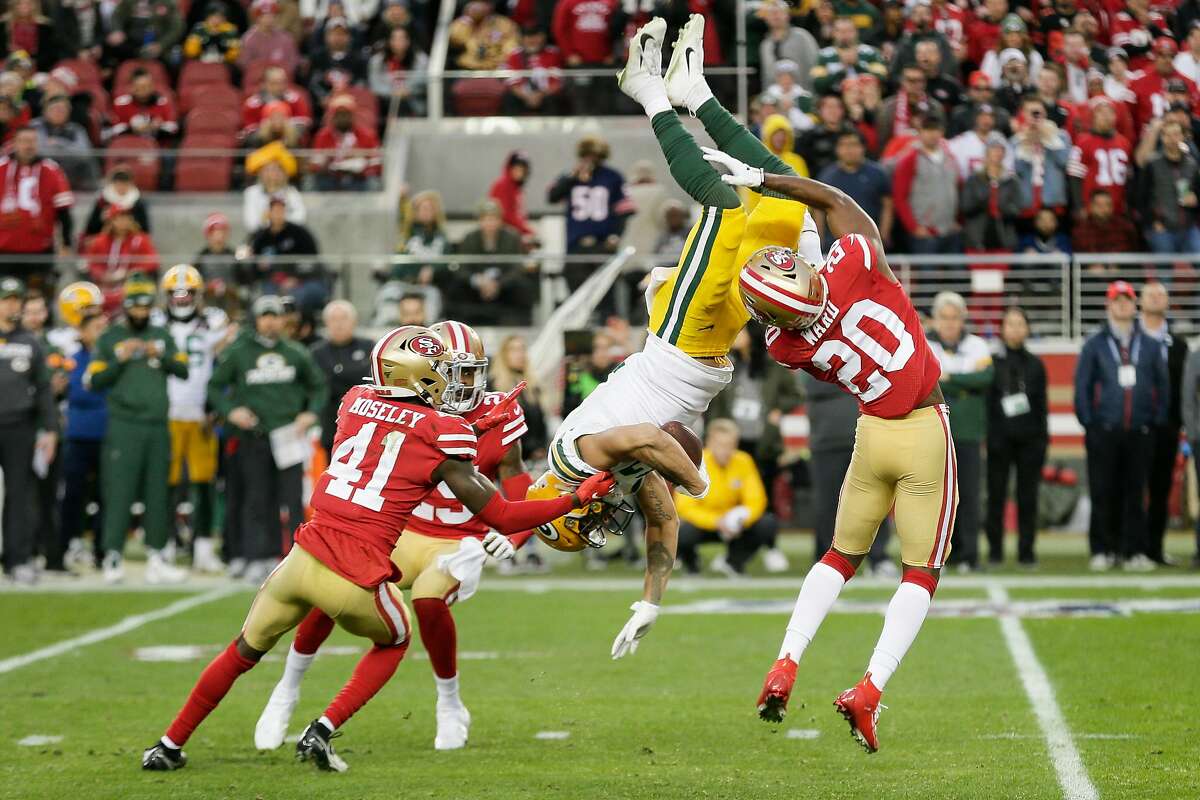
(125, 74)
(87, 71)
(478, 97)
(204, 172)
(140, 155)
(202, 73)
(208, 95)
(225, 121)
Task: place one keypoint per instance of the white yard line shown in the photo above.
(124, 626)
(1072, 776)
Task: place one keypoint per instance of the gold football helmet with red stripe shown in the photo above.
(469, 368)
(76, 300)
(411, 361)
(781, 288)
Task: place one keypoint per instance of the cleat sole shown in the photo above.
(773, 709)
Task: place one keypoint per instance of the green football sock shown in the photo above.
(733, 138)
(693, 174)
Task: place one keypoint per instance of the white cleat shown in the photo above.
(642, 77)
(158, 571)
(775, 562)
(113, 568)
(453, 724)
(204, 557)
(685, 74)
(272, 724)
(1100, 563)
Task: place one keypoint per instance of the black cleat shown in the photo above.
(314, 746)
(161, 758)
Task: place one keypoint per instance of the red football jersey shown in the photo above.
(869, 339)
(442, 514)
(1103, 162)
(128, 114)
(30, 198)
(1150, 96)
(384, 455)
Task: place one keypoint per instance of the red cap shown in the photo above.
(1118, 288)
(979, 79)
(1166, 45)
(215, 220)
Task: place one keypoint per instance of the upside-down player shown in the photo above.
(437, 527)
(695, 313)
(848, 321)
(392, 448)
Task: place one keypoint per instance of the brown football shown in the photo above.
(689, 441)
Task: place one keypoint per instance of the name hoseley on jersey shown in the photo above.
(385, 412)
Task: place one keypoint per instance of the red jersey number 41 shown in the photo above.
(343, 467)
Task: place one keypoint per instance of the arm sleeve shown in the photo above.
(218, 385)
(561, 187)
(104, 368)
(1083, 383)
(67, 224)
(510, 517)
(902, 182)
(174, 361)
(1188, 396)
(47, 414)
(754, 494)
(1162, 387)
(317, 389)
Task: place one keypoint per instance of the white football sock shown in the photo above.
(653, 96)
(329, 726)
(166, 740)
(447, 689)
(294, 668)
(697, 96)
(905, 615)
(820, 589)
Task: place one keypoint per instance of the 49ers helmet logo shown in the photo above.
(427, 346)
(781, 258)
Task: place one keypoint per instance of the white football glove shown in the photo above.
(739, 174)
(498, 546)
(644, 615)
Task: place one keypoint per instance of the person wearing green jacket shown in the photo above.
(132, 361)
(967, 374)
(264, 386)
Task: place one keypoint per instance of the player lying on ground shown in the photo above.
(441, 528)
(848, 321)
(695, 313)
(392, 448)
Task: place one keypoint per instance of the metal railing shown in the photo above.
(1063, 296)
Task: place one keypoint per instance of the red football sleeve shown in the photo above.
(515, 488)
(510, 517)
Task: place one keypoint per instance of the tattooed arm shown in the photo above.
(662, 535)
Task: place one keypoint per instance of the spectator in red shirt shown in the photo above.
(275, 87)
(1136, 29)
(1150, 90)
(582, 31)
(34, 196)
(348, 156)
(143, 111)
(120, 249)
(1100, 159)
(984, 32)
(542, 92)
(508, 191)
(26, 29)
(267, 41)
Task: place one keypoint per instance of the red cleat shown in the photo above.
(860, 706)
(772, 703)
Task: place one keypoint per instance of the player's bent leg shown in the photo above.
(686, 161)
(271, 728)
(735, 139)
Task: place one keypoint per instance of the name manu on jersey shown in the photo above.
(385, 412)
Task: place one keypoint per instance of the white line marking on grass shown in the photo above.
(1072, 776)
(39, 739)
(970, 609)
(124, 626)
(803, 733)
(552, 735)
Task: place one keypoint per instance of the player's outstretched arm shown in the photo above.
(662, 535)
(647, 444)
(842, 214)
(513, 516)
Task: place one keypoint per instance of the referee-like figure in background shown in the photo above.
(263, 382)
(28, 425)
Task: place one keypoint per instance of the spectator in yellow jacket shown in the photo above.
(733, 511)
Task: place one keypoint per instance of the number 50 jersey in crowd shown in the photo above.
(869, 339)
(384, 455)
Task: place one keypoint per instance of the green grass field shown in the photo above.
(675, 720)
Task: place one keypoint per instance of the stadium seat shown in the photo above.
(125, 73)
(219, 120)
(204, 172)
(478, 97)
(140, 155)
(202, 73)
(208, 95)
